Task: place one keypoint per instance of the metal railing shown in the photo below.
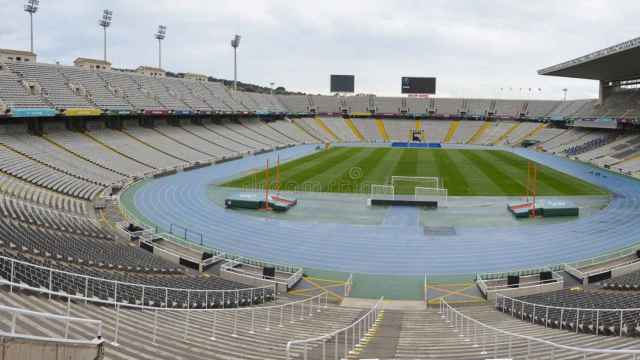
(18, 328)
(238, 319)
(348, 286)
(601, 321)
(344, 340)
(498, 343)
(47, 279)
(295, 271)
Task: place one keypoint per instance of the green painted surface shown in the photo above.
(463, 172)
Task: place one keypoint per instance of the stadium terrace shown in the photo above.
(148, 214)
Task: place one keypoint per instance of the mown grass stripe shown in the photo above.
(492, 171)
(327, 179)
(465, 172)
(550, 181)
(351, 179)
(479, 183)
(453, 178)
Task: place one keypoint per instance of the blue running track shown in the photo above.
(388, 248)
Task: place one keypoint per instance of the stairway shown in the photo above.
(426, 335)
(116, 150)
(63, 148)
(384, 342)
(479, 133)
(453, 129)
(324, 127)
(306, 131)
(532, 133)
(506, 134)
(151, 146)
(382, 130)
(354, 129)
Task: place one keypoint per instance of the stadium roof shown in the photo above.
(618, 62)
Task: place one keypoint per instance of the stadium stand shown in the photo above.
(96, 89)
(325, 104)
(208, 132)
(157, 140)
(388, 105)
(53, 86)
(179, 89)
(295, 103)
(186, 139)
(578, 311)
(45, 152)
(435, 130)
(367, 128)
(311, 126)
(399, 129)
(161, 93)
(55, 240)
(131, 90)
(15, 93)
(292, 131)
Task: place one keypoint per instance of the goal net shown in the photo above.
(432, 194)
(386, 192)
(406, 185)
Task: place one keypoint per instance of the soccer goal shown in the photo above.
(386, 192)
(433, 194)
(406, 185)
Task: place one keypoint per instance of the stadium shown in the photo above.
(149, 214)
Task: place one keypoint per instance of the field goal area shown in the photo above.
(415, 188)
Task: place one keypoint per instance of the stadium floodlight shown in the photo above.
(31, 7)
(105, 22)
(160, 35)
(565, 93)
(235, 43)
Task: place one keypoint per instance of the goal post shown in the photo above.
(432, 194)
(406, 185)
(386, 192)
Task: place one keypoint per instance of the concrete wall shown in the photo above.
(524, 291)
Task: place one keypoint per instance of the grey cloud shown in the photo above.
(474, 47)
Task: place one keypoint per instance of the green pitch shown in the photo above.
(464, 172)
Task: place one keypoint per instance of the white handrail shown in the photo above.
(562, 307)
(292, 310)
(118, 284)
(369, 319)
(458, 318)
(567, 310)
(65, 321)
(81, 298)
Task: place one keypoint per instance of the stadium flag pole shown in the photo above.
(266, 188)
(278, 174)
(535, 187)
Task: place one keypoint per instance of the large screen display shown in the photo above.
(342, 83)
(418, 85)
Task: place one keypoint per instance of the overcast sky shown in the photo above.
(474, 47)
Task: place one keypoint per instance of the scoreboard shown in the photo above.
(418, 85)
(342, 83)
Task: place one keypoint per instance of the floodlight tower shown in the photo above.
(565, 93)
(31, 7)
(235, 43)
(160, 35)
(272, 85)
(105, 22)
